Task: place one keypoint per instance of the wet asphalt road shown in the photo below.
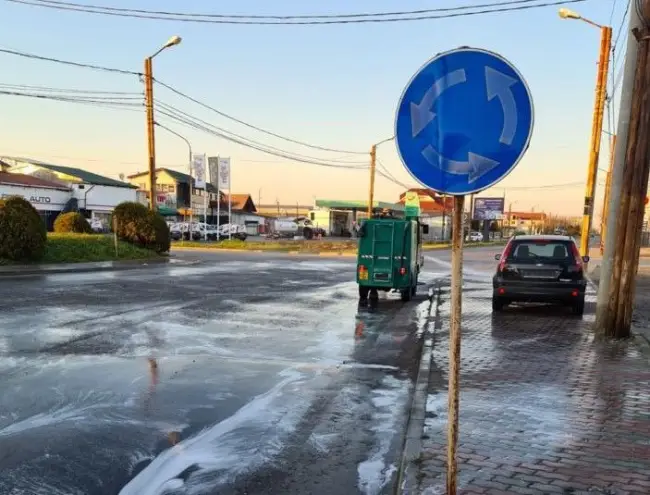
(221, 374)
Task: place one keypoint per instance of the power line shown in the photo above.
(68, 62)
(189, 123)
(181, 94)
(495, 7)
(117, 104)
(66, 90)
(66, 5)
(251, 126)
(182, 114)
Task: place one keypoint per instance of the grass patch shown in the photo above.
(83, 248)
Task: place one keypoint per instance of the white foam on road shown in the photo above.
(389, 403)
(225, 449)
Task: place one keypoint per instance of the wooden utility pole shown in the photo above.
(454, 341)
(373, 164)
(629, 183)
(151, 140)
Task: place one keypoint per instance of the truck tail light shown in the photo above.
(402, 271)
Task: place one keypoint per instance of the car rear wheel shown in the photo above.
(498, 304)
(579, 307)
(407, 294)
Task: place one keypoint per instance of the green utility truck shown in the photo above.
(389, 256)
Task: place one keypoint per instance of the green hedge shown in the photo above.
(23, 235)
(72, 222)
(135, 223)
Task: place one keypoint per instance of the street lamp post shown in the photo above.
(148, 96)
(597, 124)
(373, 164)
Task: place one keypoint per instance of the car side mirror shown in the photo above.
(425, 229)
(586, 259)
(497, 257)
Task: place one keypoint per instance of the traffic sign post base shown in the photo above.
(454, 341)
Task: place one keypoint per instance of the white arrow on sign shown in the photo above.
(421, 114)
(498, 86)
(475, 167)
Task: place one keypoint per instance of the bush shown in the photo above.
(22, 232)
(75, 223)
(135, 223)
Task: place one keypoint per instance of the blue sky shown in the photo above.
(336, 86)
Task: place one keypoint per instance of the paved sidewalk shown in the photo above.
(544, 409)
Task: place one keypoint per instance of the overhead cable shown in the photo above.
(68, 62)
(183, 114)
(488, 8)
(197, 126)
(251, 126)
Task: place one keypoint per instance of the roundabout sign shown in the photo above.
(464, 121)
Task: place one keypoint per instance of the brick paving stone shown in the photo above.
(543, 408)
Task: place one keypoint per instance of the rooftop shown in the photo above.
(355, 204)
(83, 175)
(28, 181)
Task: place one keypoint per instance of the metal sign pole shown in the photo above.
(230, 201)
(218, 197)
(454, 341)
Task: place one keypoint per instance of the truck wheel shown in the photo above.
(308, 233)
(363, 293)
(406, 294)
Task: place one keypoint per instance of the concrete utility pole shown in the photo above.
(373, 164)
(373, 167)
(629, 182)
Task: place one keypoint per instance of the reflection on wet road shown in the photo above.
(231, 376)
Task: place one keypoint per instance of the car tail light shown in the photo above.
(576, 257)
(402, 271)
(504, 257)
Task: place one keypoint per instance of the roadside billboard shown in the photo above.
(488, 208)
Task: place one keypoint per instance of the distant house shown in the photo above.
(244, 212)
(173, 189)
(526, 221)
(94, 195)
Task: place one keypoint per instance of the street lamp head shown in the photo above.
(174, 40)
(568, 14)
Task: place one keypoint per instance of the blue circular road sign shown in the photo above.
(464, 121)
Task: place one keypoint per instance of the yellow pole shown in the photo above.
(608, 185)
(373, 160)
(151, 143)
(596, 132)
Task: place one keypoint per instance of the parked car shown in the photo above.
(232, 230)
(540, 268)
(474, 237)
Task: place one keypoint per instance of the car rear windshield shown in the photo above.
(547, 252)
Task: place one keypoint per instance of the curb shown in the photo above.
(407, 476)
(16, 271)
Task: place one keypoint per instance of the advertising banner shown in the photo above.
(198, 168)
(488, 208)
(224, 173)
(213, 166)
